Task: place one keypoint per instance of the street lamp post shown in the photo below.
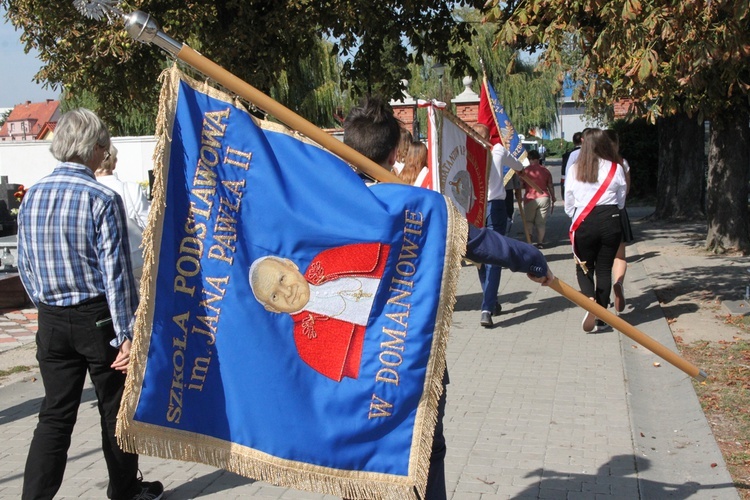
(561, 101)
(439, 69)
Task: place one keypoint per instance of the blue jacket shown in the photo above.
(490, 247)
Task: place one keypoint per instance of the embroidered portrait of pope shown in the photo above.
(330, 303)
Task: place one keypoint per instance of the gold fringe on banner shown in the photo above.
(456, 239)
(164, 442)
(152, 234)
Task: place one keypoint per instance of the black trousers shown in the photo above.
(68, 344)
(436, 477)
(596, 241)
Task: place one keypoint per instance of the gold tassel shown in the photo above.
(144, 315)
(456, 239)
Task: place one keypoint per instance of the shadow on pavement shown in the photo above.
(31, 407)
(214, 482)
(473, 301)
(615, 478)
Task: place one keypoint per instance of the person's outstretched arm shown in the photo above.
(490, 247)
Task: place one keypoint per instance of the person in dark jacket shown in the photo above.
(373, 130)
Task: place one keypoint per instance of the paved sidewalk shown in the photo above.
(536, 408)
(17, 327)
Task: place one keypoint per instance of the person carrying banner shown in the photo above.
(594, 195)
(372, 129)
(497, 220)
(74, 263)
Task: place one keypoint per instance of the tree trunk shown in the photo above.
(728, 176)
(680, 179)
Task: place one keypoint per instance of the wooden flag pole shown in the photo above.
(627, 329)
(145, 29)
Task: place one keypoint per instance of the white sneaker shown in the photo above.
(589, 323)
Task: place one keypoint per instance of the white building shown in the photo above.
(25, 162)
(571, 120)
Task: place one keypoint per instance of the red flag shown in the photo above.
(487, 114)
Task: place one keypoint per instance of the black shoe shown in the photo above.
(149, 491)
(498, 310)
(486, 320)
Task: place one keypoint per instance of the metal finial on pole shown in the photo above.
(143, 28)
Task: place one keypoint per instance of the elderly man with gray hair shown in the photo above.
(73, 258)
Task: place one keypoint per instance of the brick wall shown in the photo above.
(468, 112)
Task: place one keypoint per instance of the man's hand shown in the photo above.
(122, 361)
(543, 280)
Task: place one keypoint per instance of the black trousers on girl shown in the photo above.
(596, 243)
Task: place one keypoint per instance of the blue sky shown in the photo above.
(16, 84)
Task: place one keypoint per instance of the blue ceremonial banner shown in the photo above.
(492, 113)
(293, 321)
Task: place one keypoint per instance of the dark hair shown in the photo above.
(577, 138)
(404, 142)
(596, 146)
(612, 135)
(372, 130)
(533, 155)
(416, 159)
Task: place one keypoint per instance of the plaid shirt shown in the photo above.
(73, 245)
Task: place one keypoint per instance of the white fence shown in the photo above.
(25, 162)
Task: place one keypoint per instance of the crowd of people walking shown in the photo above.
(594, 182)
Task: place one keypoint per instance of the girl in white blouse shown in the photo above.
(595, 189)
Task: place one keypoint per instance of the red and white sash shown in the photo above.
(581, 216)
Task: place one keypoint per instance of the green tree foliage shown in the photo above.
(310, 85)
(671, 58)
(254, 39)
(379, 39)
(135, 120)
(665, 55)
(4, 116)
(526, 90)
